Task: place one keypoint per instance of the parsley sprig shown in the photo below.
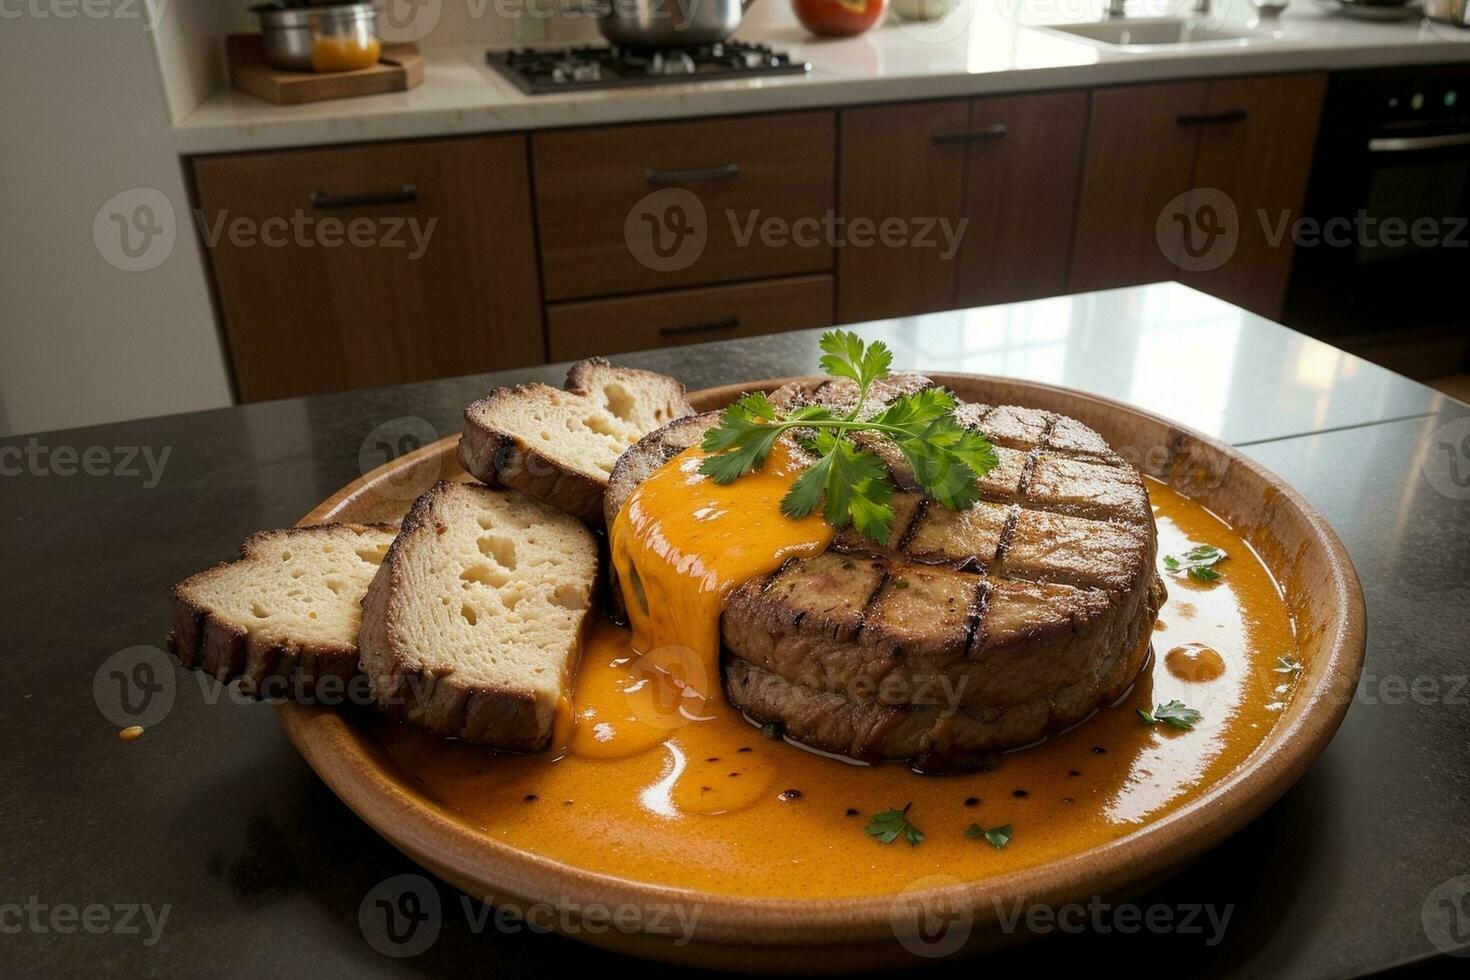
(889, 825)
(1175, 714)
(1198, 561)
(947, 458)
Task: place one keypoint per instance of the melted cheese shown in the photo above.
(680, 545)
(676, 788)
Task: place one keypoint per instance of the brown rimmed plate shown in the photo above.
(811, 935)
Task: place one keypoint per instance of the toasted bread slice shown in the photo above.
(286, 613)
(473, 625)
(560, 446)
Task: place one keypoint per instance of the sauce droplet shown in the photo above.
(1195, 662)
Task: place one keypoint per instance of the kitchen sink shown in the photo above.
(1150, 34)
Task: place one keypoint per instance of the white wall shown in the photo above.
(84, 118)
(88, 93)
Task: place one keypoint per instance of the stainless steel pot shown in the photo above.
(667, 23)
(1455, 12)
(289, 31)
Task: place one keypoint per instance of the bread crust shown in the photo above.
(435, 701)
(499, 459)
(205, 641)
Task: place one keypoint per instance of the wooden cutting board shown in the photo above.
(400, 67)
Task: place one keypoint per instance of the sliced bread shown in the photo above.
(286, 613)
(473, 625)
(561, 446)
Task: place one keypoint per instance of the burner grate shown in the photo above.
(537, 71)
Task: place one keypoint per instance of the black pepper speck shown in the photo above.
(972, 801)
(1019, 793)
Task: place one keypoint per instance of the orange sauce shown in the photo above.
(691, 795)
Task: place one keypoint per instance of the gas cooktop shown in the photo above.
(537, 71)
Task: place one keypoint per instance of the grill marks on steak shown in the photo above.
(964, 633)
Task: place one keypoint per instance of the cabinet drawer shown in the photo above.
(370, 265)
(687, 316)
(633, 208)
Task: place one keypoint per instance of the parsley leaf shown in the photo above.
(947, 457)
(1198, 561)
(889, 825)
(1176, 714)
(996, 837)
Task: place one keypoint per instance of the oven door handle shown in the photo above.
(1407, 144)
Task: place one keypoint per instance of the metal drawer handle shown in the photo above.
(400, 195)
(685, 176)
(971, 135)
(1212, 118)
(1404, 144)
(729, 323)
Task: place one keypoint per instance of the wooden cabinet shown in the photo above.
(626, 209)
(687, 316)
(360, 266)
(1159, 154)
(983, 189)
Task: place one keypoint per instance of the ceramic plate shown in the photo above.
(1296, 544)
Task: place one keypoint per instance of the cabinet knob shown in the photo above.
(397, 195)
(728, 323)
(1212, 118)
(984, 135)
(686, 176)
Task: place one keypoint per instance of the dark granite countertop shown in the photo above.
(212, 819)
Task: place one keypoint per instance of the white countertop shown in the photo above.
(982, 47)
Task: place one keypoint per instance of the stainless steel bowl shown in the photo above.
(1455, 12)
(289, 33)
(667, 23)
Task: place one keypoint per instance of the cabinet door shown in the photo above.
(369, 265)
(892, 168)
(1139, 158)
(1020, 197)
(626, 209)
(1259, 153)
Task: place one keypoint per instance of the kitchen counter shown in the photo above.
(984, 47)
(212, 814)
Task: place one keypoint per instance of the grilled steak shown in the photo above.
(967, 632)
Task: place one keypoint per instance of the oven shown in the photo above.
(1383, 246)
